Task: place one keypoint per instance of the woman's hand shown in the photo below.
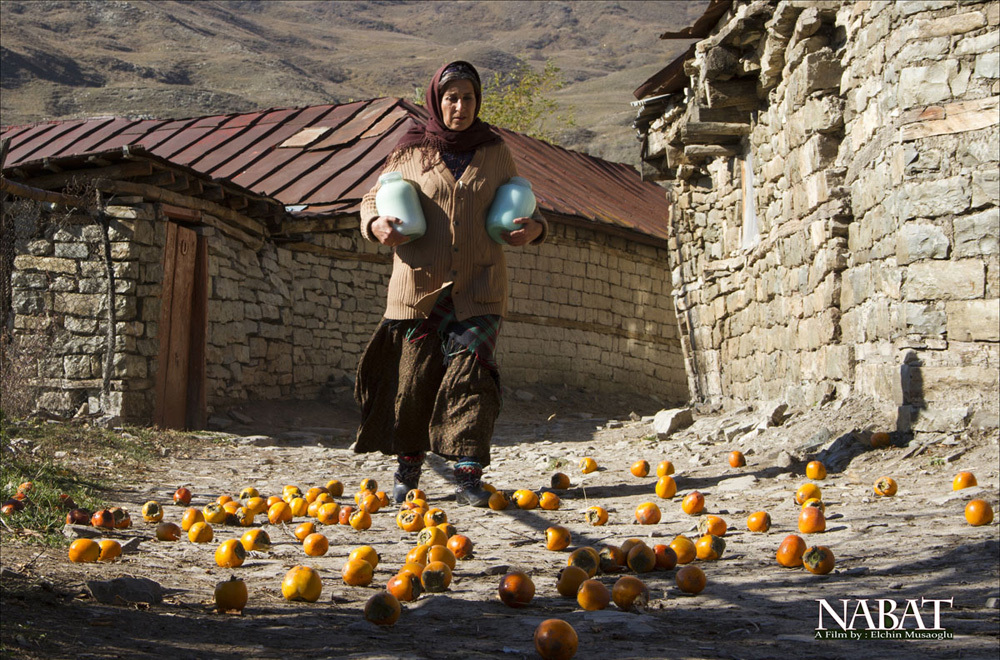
(529, 231)
(385, 230)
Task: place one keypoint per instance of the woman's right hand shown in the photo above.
(385, 230)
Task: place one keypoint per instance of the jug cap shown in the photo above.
(390, 176)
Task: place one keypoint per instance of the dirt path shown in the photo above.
(915, 545)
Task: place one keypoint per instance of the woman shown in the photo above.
(428, 379)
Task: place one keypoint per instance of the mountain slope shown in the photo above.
(178, 59)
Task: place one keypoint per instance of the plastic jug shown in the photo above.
(513, 200)
(397, 197)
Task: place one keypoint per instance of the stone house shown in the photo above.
(175, 268)
(832, 169)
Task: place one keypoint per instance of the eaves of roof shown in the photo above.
(319, 161)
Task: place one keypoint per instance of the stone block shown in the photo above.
(926, 85)
(945, 26)
(985, 188)
(952, 280)
(45, 264)
(79, 304)
(983, 43)
(665, 422)
(924, 319)
(977, 234)
(987, 66)
(934, 197)
(940, 419)
(916, 242)
(973, 320)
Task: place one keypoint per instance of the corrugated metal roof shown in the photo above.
(326, 157)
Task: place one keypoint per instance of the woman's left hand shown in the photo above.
(529, 231)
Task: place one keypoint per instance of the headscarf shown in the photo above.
(433, 137)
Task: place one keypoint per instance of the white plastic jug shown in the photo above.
(397, 197)
(513, 200)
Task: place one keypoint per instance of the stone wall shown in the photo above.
(587, 309)
(844, 242)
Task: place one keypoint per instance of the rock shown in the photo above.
(784, 459)
(81, 532)
(524, 395)
(818, 439)
(958, 495)
(775, 413)
(240, 417)
(737, 483)
(125, 591)
(667, 421)
(499, 569)
(993, 603)
(256, 440)
(218, 423)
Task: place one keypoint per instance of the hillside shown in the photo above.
(162, 59)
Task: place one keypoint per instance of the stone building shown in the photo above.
(231, 248)
(832, 169)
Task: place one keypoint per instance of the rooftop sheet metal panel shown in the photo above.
(330, 175)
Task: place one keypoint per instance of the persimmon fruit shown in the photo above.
(693, 503)
(737, 459)
(684, 548)
(405, 586)
(666, 558)
(630, 594)
(201, 532)
(815, 470)
(557, 537)
(182, 496)
(593, 595)
(230, 554)
(641, 559)
(152, 511)
(555, 639)
(586, 558)
(461, 546)
(559, 481)
(964, 480)
(978, 512)
(168, 531)
(588, 465)
(691, 580)
(647, 513)
(382, 609)
(436, 577)
(666, 487)
(790, 551)
(664, 469)
(304, 530)
(885, 487)
(709, 547)
(302, 583)
(818, 559)
(84, 551)
(357, 572)
(255, 539)
(759, 521)
(640, 468)
(569, 581)
(596, 515)
(110, 550)
(315, 545)
(231, 595)
(811, 520)
(516, 589)
(712, 525)
(548, 501)
(808, 491)
(525, 499)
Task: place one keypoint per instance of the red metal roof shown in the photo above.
(324, 158)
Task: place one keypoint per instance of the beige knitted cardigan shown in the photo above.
(455, 249)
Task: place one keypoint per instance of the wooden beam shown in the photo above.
(119, 171)
(161, 195)
(214, 192)
(158, 178)
(702, 131)
(28, 192)
(701, 151)
(180, 213)
(951, 118)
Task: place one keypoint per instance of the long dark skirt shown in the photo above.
(414, 396)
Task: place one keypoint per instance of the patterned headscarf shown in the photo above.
(433, 136)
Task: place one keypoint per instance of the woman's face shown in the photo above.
(458, 104)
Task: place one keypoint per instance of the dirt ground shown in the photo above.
(915, 545)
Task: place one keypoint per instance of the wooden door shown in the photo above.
(180, 380)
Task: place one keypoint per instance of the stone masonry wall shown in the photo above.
(872, 167)
(587, 310)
